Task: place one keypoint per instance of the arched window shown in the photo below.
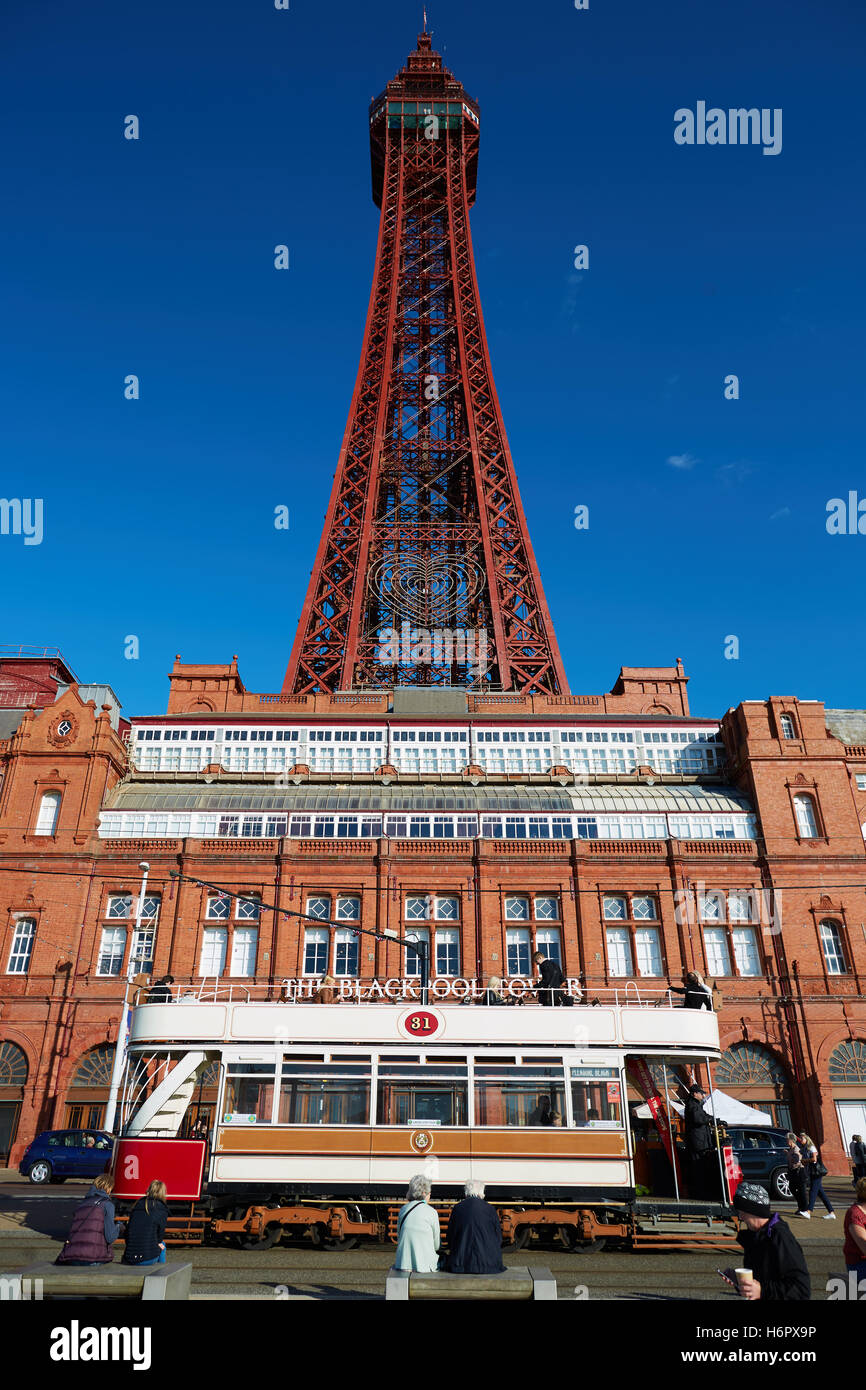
(94, 1069)
(13, 1065)
(756, 1077)
(807, 820)
(848, 1061)
(49, 810)
(789, 728)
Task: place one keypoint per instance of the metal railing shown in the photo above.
(212, 990)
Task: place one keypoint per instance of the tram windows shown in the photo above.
(249, 1093)
(597, 1104)
(507, 1103)
(507, 1096)
(431, 1102)
(331, 1101)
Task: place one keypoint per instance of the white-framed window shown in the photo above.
(447, 909)
(716, 947)
(143, 947)
(789, 728)
(49, 810)
(712, 907)
(447, 951)
(547, 909)
(244, 943)
(413, 959)
(248, 909)
(319, 907)
(746, 950)
(111, 951)
(417, 908)
(517, 951)
(22, 946)
(860, 779)
(119, 905)
(807, 821)
(831, 945)
(643, 908)
(619, 960)
(349, 910)
(346, 950)
(615, 908)
(739, 907)
(648, 951)
(547, 940)
(150, 907)
(213, 951)
(516, 910)
(317, 942)
(219, 910)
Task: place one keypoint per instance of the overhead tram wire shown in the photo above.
(419, 946)
(593, 890)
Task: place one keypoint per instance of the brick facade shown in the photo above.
(62, 1008)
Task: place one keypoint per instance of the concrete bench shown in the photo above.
(520, 1283)
(47, 1281)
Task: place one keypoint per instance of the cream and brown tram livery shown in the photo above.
(323, 1112)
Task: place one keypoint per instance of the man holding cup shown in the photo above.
(774, 1267)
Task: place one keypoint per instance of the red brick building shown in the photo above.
(620, 831)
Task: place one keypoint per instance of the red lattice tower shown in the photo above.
(425, 532)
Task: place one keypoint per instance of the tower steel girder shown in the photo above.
(425, 525)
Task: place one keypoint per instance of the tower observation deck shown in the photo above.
(425, 573)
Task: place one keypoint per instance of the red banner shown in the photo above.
(641, 1075)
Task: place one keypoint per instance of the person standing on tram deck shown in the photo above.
(474, 1235)
(493, 993)
(325, 993)
(699, 1143)
(698, 995)
(417, 1230)
(550, 980)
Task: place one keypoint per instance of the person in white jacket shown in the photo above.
(417, 1230)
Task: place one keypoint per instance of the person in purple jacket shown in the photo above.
(94, 1229)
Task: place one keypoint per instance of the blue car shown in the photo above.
(59, 1154)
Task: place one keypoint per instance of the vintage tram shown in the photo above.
(324, 1111)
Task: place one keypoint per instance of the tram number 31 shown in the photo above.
(421, 1022)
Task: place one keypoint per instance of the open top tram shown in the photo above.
(325, 1111)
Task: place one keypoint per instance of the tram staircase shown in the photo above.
(162, 1112)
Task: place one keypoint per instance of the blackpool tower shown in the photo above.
(425, 573)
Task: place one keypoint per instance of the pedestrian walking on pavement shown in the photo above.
(815, 1171)
(855, 1232)
(797, 1176)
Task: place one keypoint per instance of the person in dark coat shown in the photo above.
(857, 1151)
(699, 1144)
(94, 1229)
(474, 1236)
(697, 994)
(779, 1271)
(160, 991)
(550, 980)
(146, 1227)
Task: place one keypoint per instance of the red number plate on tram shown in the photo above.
(421, 1023)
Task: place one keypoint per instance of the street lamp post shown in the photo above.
(123, 1029)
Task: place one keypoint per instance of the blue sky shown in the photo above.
(155, 257)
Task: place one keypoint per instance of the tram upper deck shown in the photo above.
(643, 1023)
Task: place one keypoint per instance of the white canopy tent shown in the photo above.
(724, 1107)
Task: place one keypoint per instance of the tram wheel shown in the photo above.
(522, 1237)
(340, 1242)
(579, 1247)
(269, 1239)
